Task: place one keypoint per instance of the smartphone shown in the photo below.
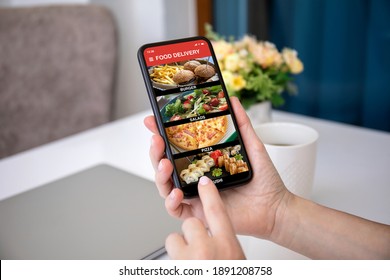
(194, 114)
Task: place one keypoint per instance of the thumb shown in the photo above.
(214, 208)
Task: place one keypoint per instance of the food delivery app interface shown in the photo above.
(196, 116)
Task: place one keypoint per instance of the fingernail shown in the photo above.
(204, 180)
(172, 195)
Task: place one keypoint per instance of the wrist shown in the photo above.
(284, 225)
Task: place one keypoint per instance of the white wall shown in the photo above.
(139, 22)
(143, 22)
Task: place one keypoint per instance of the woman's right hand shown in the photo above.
(252, 208)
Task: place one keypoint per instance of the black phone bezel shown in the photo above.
(193, 191)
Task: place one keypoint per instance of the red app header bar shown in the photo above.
(176, 52)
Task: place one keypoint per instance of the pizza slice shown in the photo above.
(211, 131)
(219, 123)
(209, 136)
(199, 134)
(183, 136)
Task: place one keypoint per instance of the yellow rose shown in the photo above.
(221, 64)
(273, 57)
(238, 82)
(222, 49)
(266, 54)
(232, 62)
(290, 57)
(227, 77)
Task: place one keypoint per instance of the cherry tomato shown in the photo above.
(206, 92)
(187, 105)
(223, 107)
(206, 107)
(221, 94)
(214, 102)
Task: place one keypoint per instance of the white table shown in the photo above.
(352, 173)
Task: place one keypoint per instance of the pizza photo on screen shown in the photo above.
(201, 134)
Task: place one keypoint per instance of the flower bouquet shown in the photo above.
(255, 71)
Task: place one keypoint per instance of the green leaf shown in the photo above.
(215, 89)
(277, 100)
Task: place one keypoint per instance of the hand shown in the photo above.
(252, 208)
(197, 243)
(265, 208)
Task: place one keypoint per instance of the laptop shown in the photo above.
(99, 213)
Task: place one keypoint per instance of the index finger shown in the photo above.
(241, 116)
(214, 209)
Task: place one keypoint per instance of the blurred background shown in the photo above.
(344, 45)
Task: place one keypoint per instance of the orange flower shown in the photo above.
(265, 54)
(291, 59)
(222, 49)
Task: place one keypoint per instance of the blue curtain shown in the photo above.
(230, 17)
(345, 47)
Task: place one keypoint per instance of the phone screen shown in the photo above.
(194, 114)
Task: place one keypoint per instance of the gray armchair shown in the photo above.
(57, 69)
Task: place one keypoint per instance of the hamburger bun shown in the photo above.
(183, 77)
(205, 71)
(191, 65)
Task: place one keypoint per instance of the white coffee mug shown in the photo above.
(292, 148)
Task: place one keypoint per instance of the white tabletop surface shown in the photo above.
(352, 172)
